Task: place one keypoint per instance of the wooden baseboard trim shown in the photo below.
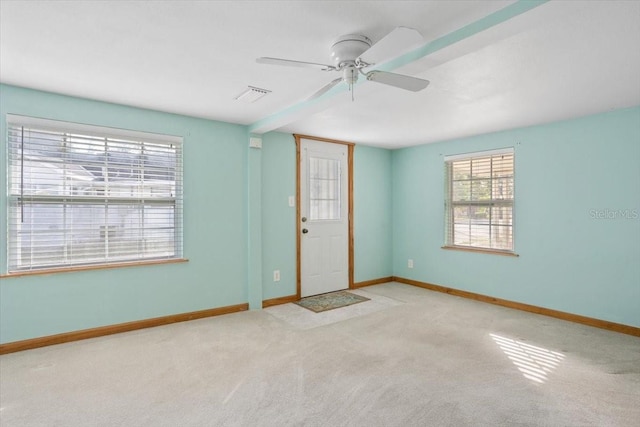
(372, 282)
(280, 300)
(32, 343)
(576, 318)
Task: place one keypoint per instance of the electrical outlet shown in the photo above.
(276, 275)
(410, 263)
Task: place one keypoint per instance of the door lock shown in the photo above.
(304, 219)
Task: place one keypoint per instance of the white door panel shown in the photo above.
(336, 253)
(324, 212)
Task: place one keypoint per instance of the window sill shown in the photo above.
(93, 267)
(481, 250)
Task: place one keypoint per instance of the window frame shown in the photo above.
(331, 194)
(450, 204)
(64, 200)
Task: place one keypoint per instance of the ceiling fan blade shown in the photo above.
(398, 41)
(292, 63)
(413, 84)
(325, 89)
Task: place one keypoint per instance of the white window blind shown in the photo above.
(479, 195)
(81, 195)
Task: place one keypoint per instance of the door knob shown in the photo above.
(305, 231)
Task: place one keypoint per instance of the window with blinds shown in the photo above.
(479, 195)
(83, 195)
(324, 189)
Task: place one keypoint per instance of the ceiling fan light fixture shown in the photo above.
(350, 75)
(252, 94)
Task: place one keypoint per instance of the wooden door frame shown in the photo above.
(350, 146)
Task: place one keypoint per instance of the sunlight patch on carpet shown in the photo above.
(535, 363)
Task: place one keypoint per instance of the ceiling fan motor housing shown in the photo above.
(348, 48)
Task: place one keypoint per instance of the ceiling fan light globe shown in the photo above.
(350, 75)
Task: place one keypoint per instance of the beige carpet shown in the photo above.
(415, 358)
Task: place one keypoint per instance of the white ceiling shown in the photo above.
(559, 60)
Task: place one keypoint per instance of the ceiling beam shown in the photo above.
(305, 108)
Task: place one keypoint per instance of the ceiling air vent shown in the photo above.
(252, 94)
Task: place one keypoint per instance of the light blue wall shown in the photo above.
(372, 213)
(215, 242)
(278, 219)
(254, 226)
(239, 227)
(566, 173)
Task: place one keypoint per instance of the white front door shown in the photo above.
(324, 216)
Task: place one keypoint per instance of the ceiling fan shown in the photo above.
(353, 53)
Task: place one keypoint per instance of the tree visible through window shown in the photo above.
(479, 194)
(83, 196)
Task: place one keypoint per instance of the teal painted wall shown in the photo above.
(239, 227)
(372, 213)
(567, 174)
(254, 226)
(215, 240)
(278, 219)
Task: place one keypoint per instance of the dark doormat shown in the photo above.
(324, 302)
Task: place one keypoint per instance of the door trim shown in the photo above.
(350, 146)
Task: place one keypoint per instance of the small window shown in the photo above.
(324, 189)
(86, 195)
(479, 195)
